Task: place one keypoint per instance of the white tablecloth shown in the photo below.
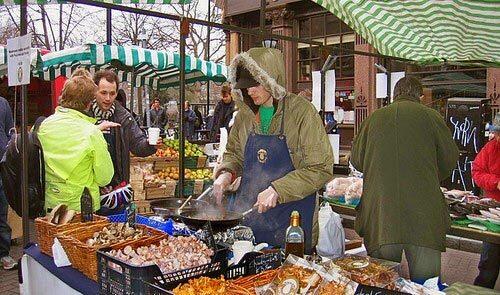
(37, 280)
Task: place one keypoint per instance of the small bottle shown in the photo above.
(86, 206)
(131, 214)
(294, 238)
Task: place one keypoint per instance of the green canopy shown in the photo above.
(18, 2)
(429, 32)
(158, 69)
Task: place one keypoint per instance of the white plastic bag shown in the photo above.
(60, 257)
(331, 241)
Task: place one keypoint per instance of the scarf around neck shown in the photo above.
(101, 115)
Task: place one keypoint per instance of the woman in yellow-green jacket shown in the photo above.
(75, 152)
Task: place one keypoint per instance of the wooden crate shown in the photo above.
(137, 185)
(155, 193)
(162, 164)
(143, 206)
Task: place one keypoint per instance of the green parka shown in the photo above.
(307, 141)
(404, 151)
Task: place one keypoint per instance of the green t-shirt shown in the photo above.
(266, 114)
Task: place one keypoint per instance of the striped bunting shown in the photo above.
(40, 2)
(158, 69)
(429, 32)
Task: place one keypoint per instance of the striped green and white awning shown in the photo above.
(40, 2)
(429, 32)
(158, 69)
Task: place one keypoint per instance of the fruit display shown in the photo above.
(168, 153)
(190, 149)
(172, 173)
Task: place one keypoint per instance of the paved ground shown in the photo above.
(457, 266)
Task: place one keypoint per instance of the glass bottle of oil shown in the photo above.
(294, 239)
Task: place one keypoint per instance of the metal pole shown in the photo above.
(182, 76)
(60, 27)
(132, 92)
(24, 136)
(207, 52)
(108, 26)
(262, 19)
(388, 73)
(323, 90)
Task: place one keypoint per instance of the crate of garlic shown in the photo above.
(134, 269)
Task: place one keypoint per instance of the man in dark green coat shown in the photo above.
(405, 150)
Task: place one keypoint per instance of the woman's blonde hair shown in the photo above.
(81, 72)
(78, 92)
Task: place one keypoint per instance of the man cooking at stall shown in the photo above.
(279, 148)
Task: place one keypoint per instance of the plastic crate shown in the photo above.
(166, 226)
(254, 263)
(116, 277)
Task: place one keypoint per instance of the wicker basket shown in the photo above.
(47, 231)
(84, 257)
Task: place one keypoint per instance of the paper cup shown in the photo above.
(153, 135)
(240, 248)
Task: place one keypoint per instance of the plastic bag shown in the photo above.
(60, 256)
(354, 191)
(338, 186)
(331, 241)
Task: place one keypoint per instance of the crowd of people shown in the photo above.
(193, 120)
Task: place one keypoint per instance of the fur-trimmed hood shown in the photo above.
(267, 67)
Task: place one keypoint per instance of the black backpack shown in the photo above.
(11, 172)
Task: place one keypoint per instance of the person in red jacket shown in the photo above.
(486, 174)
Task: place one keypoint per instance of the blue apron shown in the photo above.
(267, 159)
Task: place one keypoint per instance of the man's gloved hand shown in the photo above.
(220, 186)
(266, 199)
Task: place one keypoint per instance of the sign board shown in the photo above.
(466, 118)
(329, 90)
(335, 144)
(19, 60)
(368, 290)
(381, 83)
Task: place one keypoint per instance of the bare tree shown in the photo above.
(168, 32)
(127, 27)
(50, 32)
(8, 30)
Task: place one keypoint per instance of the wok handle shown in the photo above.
(248, 211)
(185, 202)
(206, 192)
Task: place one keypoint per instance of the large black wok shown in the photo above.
(220, 220)
(170, 207)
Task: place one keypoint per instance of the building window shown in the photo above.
(329, 30)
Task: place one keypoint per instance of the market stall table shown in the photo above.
(41, 276)
(458, 231)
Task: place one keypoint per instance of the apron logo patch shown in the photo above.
(262, 156)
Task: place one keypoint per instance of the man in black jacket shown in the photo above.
(6, 124)
(157, 116)
(223, 112)
(126, 139)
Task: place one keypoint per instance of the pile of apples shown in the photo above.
(190, 149)
(167, 153)
(172, 173)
